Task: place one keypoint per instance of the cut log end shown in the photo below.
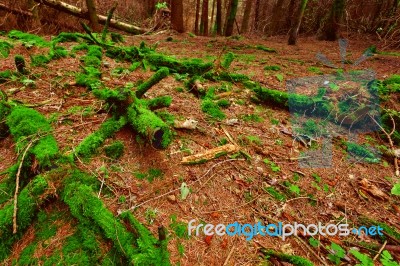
(159, 137)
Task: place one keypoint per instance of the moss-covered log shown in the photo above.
(149, 125)
(29, 200)
(4, 112)
(92, 142)
(27, 125)
(157, 77)
(159, 102)
(140, 248)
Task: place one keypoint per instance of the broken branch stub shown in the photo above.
(210, 154)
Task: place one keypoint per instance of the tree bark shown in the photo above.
(77, 12)
(204, 19)
(212, 29)
(92, 15)
(218, 19)
(177, 15)
(330, 31)
(294, 31)
(246, 16)
(257, 15)
(196, 21)
(231, 17)
(276, 17)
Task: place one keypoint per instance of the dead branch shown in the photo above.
(210, 154)
(15, 11)
(78, 12)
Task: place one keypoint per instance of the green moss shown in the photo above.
(191, 66)
(27, 124)
(227, 60)
(28, 39)
(265, 49)
(223, 103)
(150, 175)
(39, 60)
(212, 109)
(5, 76)
(80, 47)
(57, 52)
(92, 142)
(157, 77)
(362, 151)
(115, 150)
(273, 68)
(275, 194)
(4, 112)
(130, 53)
(159, 102)
(5, 48)
(29, 199)
(150, 126)
(67, 37)
(365, 221)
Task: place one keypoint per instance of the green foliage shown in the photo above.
(254, 139)
(363, 258)
(315, 70)
(387, 229)
(5, 48)
(39, 60)
(362, 151)
(5, 75)
(274, 193)
(115, 150)
(161, 5)
(116, 37)
(273, 68)
(387, 259)
(28, 39)
(338, 253)
(396, 189)
(265, 49)
(92, 142)
(67, 37)
(179, 228)
(392, 84)
(150, 175)
(274, 167)
(223, 103)
(227, 60)
(27, 124)
(159, 102)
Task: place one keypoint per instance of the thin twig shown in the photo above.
(17, 185)
(380, 251)
(229, 256)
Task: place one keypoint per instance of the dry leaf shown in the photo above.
(208, 239)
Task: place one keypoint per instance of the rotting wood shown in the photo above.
(78, 12)
(210, 154)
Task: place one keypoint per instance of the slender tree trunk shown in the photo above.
(212, 28)
(294, 31)
(218, 19)
(290, 16)
(196, 21)
(330, 31)
(231, 15)
(204, 19)
(177, 15)
(91, 7)
(257, 16)
(35, 13)
(246, 16)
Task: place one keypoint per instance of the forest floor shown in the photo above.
(267, 184)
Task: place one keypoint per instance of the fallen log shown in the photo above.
(78, 12)
(210, 154)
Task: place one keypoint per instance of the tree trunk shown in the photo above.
(196, 22)
(294, 31)
(77, 12)
(204, 19)
(212, 28)
(246, 16)
(35, 13)
(330, 31)
(276, 20)
(177, 15)
(218, 19)
(290, 16)
(257, 16)
(231, 15)
(92, 15)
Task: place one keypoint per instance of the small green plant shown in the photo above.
(150, 215)
(387, 259)
(279, 77)
(161, 5)
(396, 189)
(252, 118)
(363, 258)
(275, 168)
(254, 139)
(179, 228)
(315, 70)
(273, 68)
(150, 175)
(314, 242)
(115, 150)
(275, 194)
(338, 253)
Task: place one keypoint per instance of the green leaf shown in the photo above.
(396, 189)
(313, 242)
(364, 259)
(333, 86)
(184, 191)
(279, 77)
(387, 259)
(295, 189)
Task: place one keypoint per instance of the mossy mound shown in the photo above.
(28, 125)
(5, 48)
(28, 39)
(114, 150)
